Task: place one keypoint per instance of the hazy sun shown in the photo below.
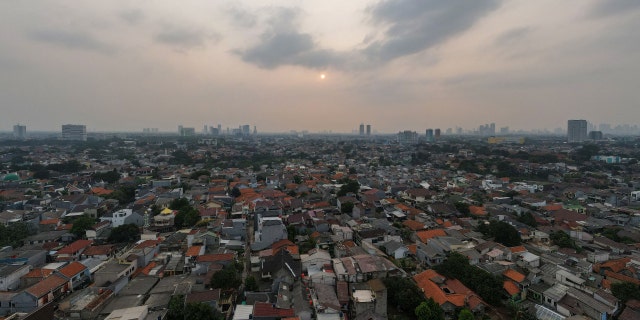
(323, 76)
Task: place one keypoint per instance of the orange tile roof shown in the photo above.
(412, 248)
(216, 257)
(50, 221)
(413, 225)
(621, 277)
(45, 286)
(38, 273)
(425, 235)
(511, 287)
(514, 275)
(433, 291)
(193, 251)
(72, 269)
(477, 211)
(75, 247)
(447, 224)
(518, 249)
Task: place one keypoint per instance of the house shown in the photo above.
(10, 276)
(76, 273)
(122, 217)
(325, 299)
(267, 311)
(270, 230)
(395, 249)
(73, 251)
(314, 261)
(41, 293)
(210, 297)
(450, 294)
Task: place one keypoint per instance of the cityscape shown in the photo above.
(320, 160)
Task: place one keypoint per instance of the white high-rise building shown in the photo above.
(74, 132)
(20, 131)
(576, 131)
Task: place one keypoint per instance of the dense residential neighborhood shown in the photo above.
(321, 227)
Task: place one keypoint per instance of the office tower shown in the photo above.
(449, 131)
(362, 129)
(219, 129)
(255, 130)
(205, 130)
(429, 134)
(368, 129)
(74, 132)
(20, 131)
(407, 136)
(504, 130)
(437, 133)
(576, 130)
(492, 129)
(595, 135)
(245, 130)
(180, 131)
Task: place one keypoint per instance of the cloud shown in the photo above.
(605, 8)
(282, 44)
(408, 27)
(132, 17)
(510, 36)
(184, 38)
(71, 40)
(413, 26)
(242, 18)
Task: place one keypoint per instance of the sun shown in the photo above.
(323, 76)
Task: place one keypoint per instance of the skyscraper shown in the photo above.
(368, 129)
(74, 132)
(437, 133)
(576, 131)
(362, 129)
(19, 131)
(429, 134)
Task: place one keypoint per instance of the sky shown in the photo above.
(318, 65)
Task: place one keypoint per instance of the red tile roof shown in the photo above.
(264, 309)
(38, 273)
(514, 275)
(75, 247)
(218, 257)
(413, 225)
(98, 250)
(425, 235)
(72, 269)
(48, 284)
(511, 287)
(193, 251)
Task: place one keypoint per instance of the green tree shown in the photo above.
(403, 293)
(250, 283)
(124, 233)
(457, 266)
(201, 311)
(465, 314)
(429, 310)
(502, 232)
(346, 207)
(82, 224)
(178, 204)
(226, 278)
(186, 217)
(176, 308)
(13, 234)
(625, 291)
(349, 186)
(528, 219)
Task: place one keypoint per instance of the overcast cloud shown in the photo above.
(394, 64)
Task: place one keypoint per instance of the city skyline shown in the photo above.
(318, 66)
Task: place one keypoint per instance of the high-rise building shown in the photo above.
(74, 132)
(368, 129)
(595, 135)
(20, 131)
(429, 134)
(362, 129)
(437, 133)
(245, 130)
(576, 130)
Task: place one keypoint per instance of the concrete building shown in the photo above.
(74, 132)
(10, 276)
(19, 131)
(576, 131)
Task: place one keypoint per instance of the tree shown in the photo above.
(235, 192)
(457, 266)
(201, 311)
(176, 308)
(625, 291)
(429, 310)
(465, 314)
(346, 207)
(81, 224)
(13, 234)
(250, 283)
(186, 217)
(226, 278)
(178, 204)
(349, 186)
(502, 232)
(403, 293)
(124, 233)
(528, 219)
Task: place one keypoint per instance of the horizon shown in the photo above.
(319, 66)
